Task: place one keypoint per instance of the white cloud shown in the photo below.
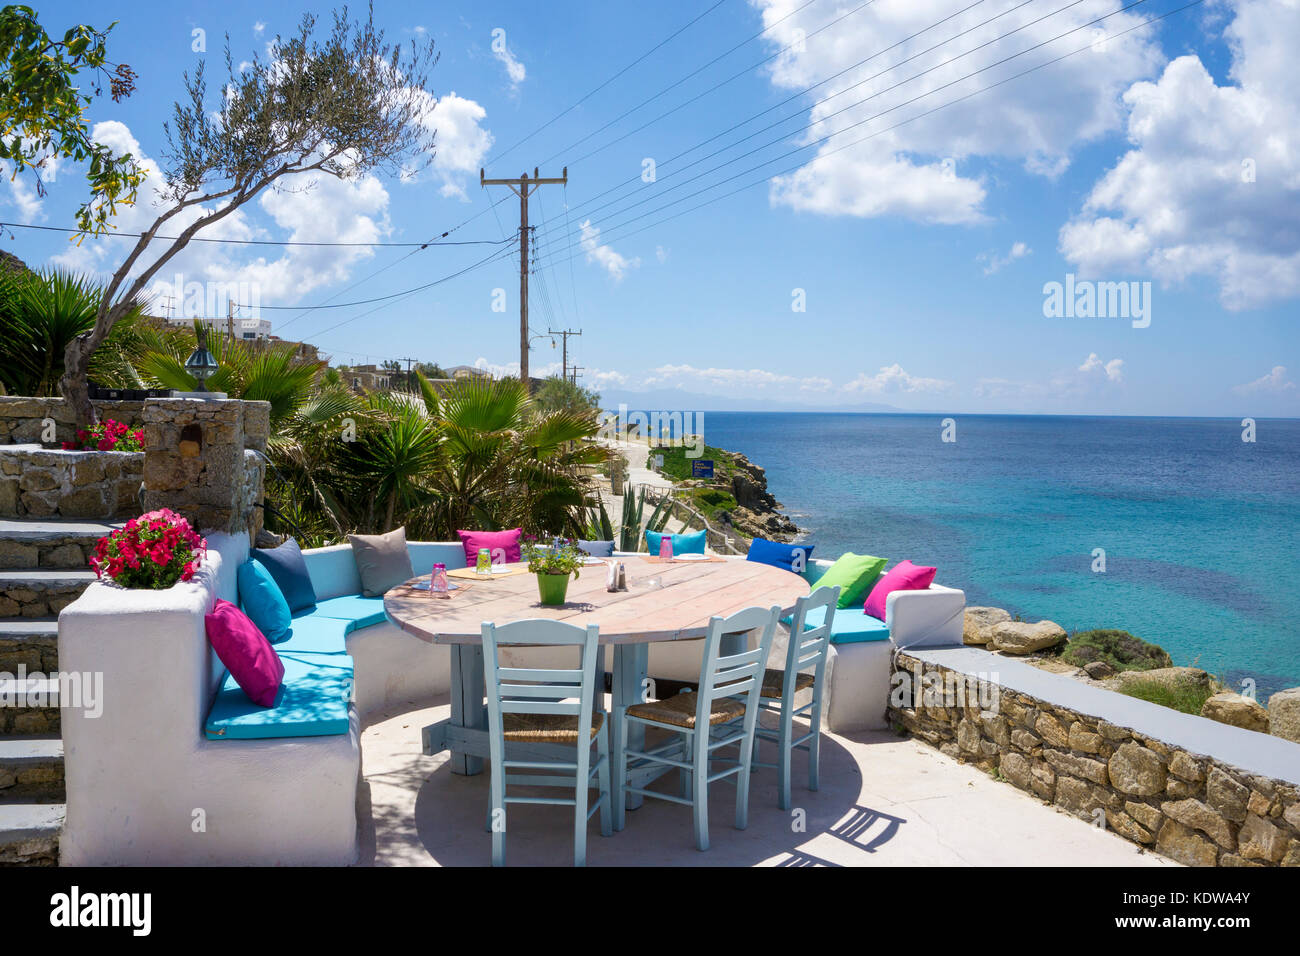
(461, 142)
(919, 170)
(259, 28)
(502, 369)
(995, 262)
(1113, 370)
(514, 69)
(1182, 202)
(1274, 383)
(893, 379)
(662, 254)
(612, 262)
(688, 376)
(599, 379)
(312, 208)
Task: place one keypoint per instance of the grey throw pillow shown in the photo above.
(382, 560)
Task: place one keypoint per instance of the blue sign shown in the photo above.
(702, 468)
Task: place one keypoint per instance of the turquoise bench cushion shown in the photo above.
(850, 626)
(361, 611)
(313, 702)
(312, 634)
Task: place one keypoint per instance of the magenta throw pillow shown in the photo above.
(502, 545)
(246, 652)
(904, 576)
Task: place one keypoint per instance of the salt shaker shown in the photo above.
(622, 577)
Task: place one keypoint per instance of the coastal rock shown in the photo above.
(1098, 670)
(977, 627)
(1237, 710)
(1284, 714)
(1021, 637)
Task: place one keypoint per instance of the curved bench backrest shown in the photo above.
(333, 569)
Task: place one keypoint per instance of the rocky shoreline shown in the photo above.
(756, 513)
(1138, 666)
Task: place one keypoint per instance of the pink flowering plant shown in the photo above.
(152, 551)
(107, 435)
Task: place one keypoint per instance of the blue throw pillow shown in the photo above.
(685, 542)
(780, 555)
(263, 602)
(289, 570)
(597, 549)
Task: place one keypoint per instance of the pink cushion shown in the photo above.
(246, 652)
(904, 576)
(502, 545)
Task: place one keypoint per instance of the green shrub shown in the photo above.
(1186, 695)
(1120, 649)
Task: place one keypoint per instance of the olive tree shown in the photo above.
(343, 105)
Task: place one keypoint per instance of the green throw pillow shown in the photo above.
(854, 573)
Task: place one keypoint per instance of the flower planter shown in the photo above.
(552, 588)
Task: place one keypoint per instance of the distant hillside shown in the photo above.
(671, 400)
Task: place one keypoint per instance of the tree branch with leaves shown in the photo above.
(342, 106)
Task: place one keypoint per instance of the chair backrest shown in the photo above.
(539, 690)
(807, 648)
(735, 674)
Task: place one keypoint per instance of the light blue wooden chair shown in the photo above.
(807, 650)
(702, 723)
(539, 714)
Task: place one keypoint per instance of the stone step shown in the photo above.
(29, 833)
(32, 706)
(32, 642)
(31, 768)
(49, 543)
(40, 593)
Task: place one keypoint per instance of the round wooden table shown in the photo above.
(663, 602)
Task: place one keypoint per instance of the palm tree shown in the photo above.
(40, 314)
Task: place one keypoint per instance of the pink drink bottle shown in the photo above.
(666, 548)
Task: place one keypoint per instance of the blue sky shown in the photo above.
(921, 251)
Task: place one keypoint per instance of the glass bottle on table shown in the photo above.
(438, 579)
(666, 548)
(483, 566)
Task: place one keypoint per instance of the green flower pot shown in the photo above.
(552, 587)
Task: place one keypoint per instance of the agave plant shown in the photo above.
(630, 536)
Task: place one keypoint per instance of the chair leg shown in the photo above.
(746, 757)
(683, 775)
(497, 817)
(581, 793)
(700, 787)
(814, 746)
(784, 755)
(604, 798)
(620, 769)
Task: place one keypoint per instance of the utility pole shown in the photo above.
(574, 371)
(564, 361)
(523, 187)
(230, 320)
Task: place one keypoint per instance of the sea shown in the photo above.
(1177, 530)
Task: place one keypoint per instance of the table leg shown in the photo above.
(467, 704)
(631, 664)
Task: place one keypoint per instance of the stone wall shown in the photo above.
(202, 460)
(25, 420)
(40, 483)
(1194, 809)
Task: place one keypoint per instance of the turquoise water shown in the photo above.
(1201, 531)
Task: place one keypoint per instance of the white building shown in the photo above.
(250, 329)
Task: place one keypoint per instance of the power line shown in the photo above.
(584, 99)
(801, 93)
(264, 242)
(868, 119)
(700, 69)
(960, 99)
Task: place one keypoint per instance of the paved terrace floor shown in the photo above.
(884, 801)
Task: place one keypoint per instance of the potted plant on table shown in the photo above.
(553, 564)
